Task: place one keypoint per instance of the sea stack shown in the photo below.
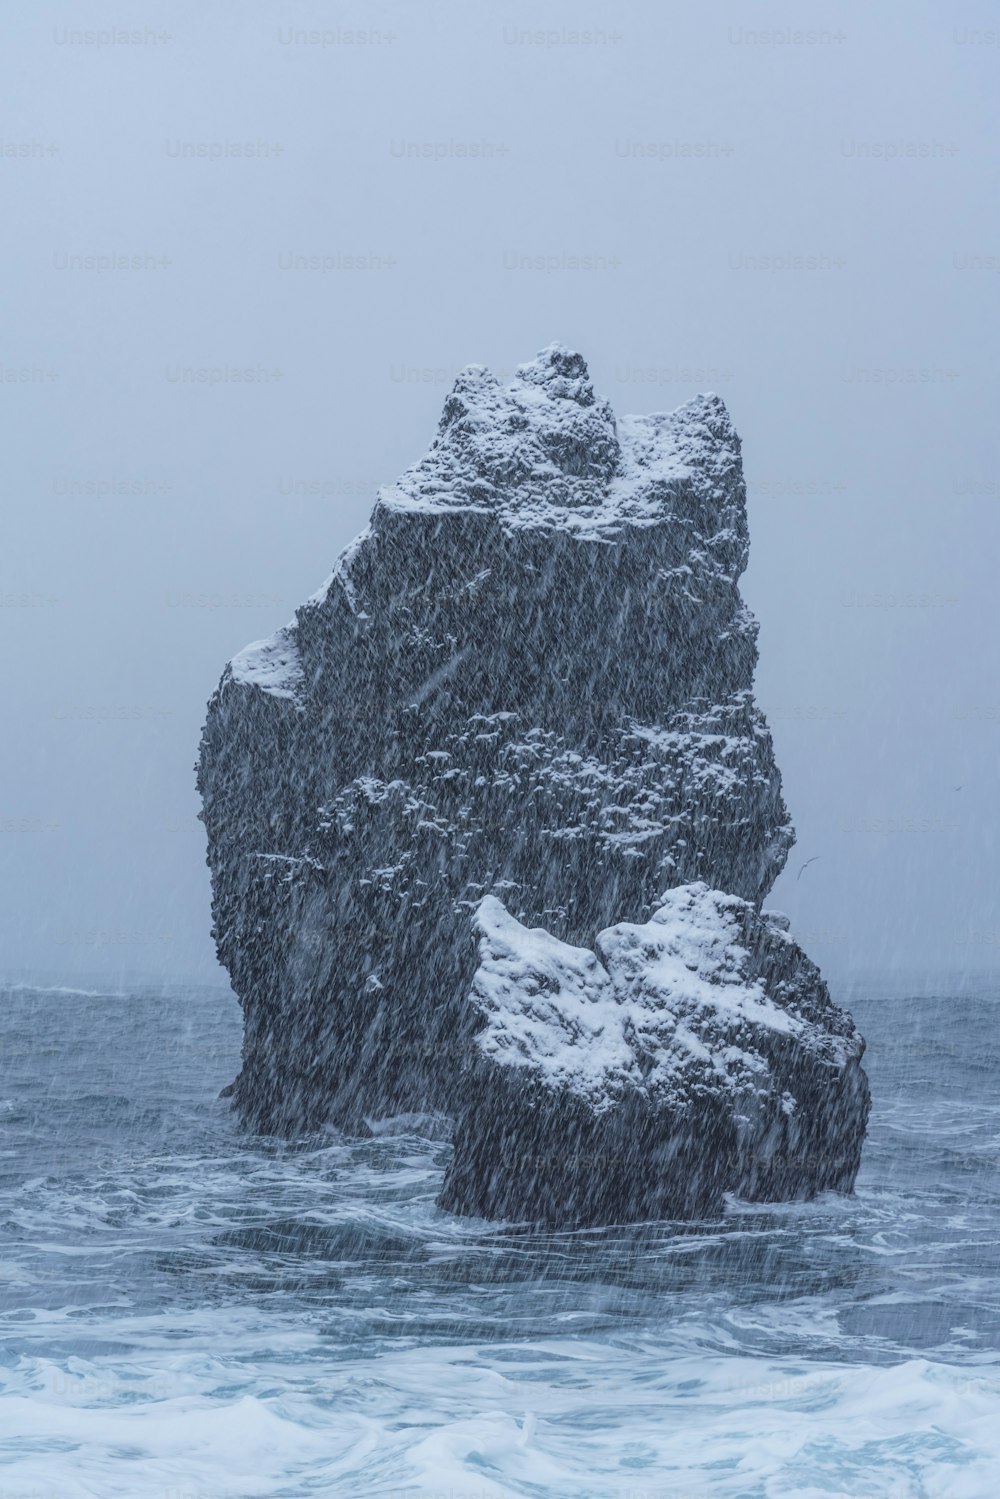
(500, 794)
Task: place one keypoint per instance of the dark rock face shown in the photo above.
(530, 677)
(698, 1053)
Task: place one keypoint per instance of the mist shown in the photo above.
(248, 249)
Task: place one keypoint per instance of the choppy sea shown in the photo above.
(189, 1312)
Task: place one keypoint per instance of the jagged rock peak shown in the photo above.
(561, 373)
(545, 450)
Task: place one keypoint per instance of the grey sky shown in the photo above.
(670, 152)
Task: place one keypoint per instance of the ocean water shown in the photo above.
(193, 1313)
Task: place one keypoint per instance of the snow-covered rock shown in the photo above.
(530, 677)
(693, 1054)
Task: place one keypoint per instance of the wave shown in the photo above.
(562, 1417)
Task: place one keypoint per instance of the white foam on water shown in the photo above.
(562, 1418)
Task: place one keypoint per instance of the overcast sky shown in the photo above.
(795, 207)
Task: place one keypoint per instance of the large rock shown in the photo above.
(530, 677)
(694, 1054)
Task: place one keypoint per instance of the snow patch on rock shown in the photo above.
(272, 665)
